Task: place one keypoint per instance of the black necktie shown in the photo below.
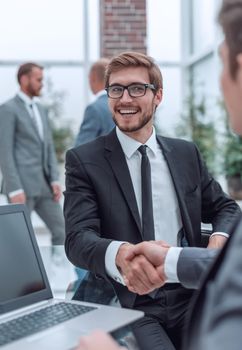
(147, 207)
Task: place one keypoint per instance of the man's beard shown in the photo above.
(32, 92)
(141, 123)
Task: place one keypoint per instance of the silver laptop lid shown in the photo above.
(22, 274)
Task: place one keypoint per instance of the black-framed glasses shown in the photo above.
(134, 90)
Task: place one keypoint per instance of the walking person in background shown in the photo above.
(27, 155)
(97, 119)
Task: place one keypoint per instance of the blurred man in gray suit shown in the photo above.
(27, 155)
(97, 119)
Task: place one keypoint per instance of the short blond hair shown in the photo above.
(135, 59)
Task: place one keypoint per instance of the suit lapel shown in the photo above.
(26, 116)
(175, 165)
(116, 158)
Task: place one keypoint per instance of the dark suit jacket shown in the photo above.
(215, 320)
(100, 204)
(97, 121)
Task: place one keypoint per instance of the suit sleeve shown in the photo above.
(222, 316)
(90, 127)
(84, 245)
(217, 207)
(192, 264)
(7, 143)
(52, 163)
(218, 302)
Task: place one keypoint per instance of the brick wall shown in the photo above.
(122, 26)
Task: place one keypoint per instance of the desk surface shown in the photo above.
(67, 282)
(59, 270)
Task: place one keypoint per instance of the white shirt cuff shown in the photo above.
(110, 265)
(170, 265)
(220, 234)
(15, 193)
(55, 183)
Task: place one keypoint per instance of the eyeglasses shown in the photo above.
(134, 90)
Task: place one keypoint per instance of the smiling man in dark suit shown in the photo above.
(106, 215)
(27, 155)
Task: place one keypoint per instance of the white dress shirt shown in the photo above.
(167, 217)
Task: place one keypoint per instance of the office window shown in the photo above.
(163, 29)
(54, 33)
(41, 30)
(163, 43)
(203, 28)
(168, 112)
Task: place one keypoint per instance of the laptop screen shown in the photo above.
(18, 266)
(21, 268)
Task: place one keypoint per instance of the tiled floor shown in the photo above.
(42, 233)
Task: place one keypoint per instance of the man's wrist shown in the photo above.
(217, 241)
(223, 234)
(15, 193)
(120, 255)
(110, 265)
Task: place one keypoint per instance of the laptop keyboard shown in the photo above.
(40, 320)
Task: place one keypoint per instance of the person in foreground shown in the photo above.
(215, 319)
(132, 186)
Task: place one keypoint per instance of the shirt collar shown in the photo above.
(100, 93)
(130, 146)
(25, 98)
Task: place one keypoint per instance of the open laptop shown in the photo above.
(26, 300)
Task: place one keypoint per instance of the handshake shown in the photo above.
(142, 265)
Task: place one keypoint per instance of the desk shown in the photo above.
(61, 273)
(65, 284)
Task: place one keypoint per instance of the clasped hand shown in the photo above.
(142, 265)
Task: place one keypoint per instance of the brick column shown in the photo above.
(122, 26)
